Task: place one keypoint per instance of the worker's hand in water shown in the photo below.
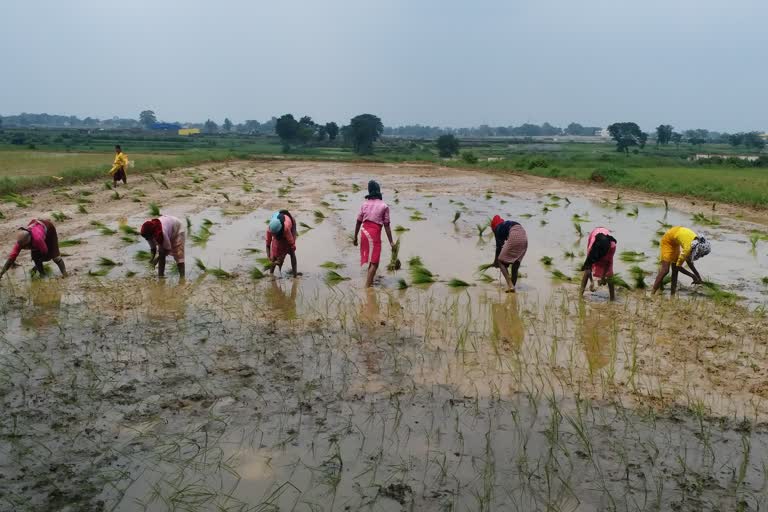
(495, 264)
(354, 242)
(698, 281)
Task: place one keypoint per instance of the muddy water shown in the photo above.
(289, 394)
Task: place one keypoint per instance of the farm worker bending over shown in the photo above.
(511, 246)
(281, 241)
(119, 166)
(601, 247)
(165, 236)
(678, 246)
(374, 213)
(39, 237)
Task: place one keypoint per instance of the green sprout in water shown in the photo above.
(154, 210)
(456, 216)
(333, 277)
(546, 260)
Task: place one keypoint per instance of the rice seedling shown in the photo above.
(116, 195)
(59, 216)
(128, 239)
(754, 238)
(638, 275)
(578, 218)
(634, 213)
(546, 260)
(618, 281)
(481, 229)
(402, 284)
(421, 275)
(664, 225)
(394, 261)
(716, 293)
(568, 201)
(83, 200)
(764, 280)
(200, 265)
(130, 273)
(488, 196)
(526, 215)
(569, 254)
(482, 268)
(456, 216)
(108, 185)
(485, 278)
(189, 223)
(666, 205)
(225, 195)
(202, 235)
(81, 209)
(700, 218)
(282, 191)
(559, 276)
(318, 215)
(256, 273)
(106, 262)
(632, 256)
(332, 277)
(2, 215)
(457, 283)
(19, 201)
(70, 243)
(355, 187)
(99, 273)
(332, 265)
(154, 210)
(247, 187)
(142, 255)
(415, 261)
(252, 250)
(578, 229)
(545, 210)
(401, 229)
(220, 273)
(325, 203)
(417, 216)
(542, 222)
(305, 226)
(128, 230)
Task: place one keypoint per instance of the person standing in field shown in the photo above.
(680, 245)
(281, 241)
(511, 246)
(120, 166)
(165, 236)
(41, 239)
(601, 248)
(373, 215)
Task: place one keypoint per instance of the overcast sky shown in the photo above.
(691, 63)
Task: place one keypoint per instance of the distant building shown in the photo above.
(603, 132)
(189, 131)
(706, 156)
(165, 127)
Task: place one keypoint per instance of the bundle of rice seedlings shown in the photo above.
(578, 218)
(107, 231)
(415, 261)
(128, 239)
(481, 228)
(664, 225)
(457, 283)
(634, 213)
(189, 224)
(130, 273)
(716, 293)
(401, 229)
(421, 275)
(256, 273)
(106, 262)
(108, 185)
(247, 187)
(355, 187)
(526, 215)
(70, 243)
(128, 230)
(546, 260)
(764, 280)
(617, 280)
(318, 214)
(567, 200)
(545, 210)
(19, 201)
(394, 261)
(99, 273)
(559, 276)
(543, 222)
(332, 265)
(59, 216)
(401, 284)
(116, 195)
(456, 216)
(82, 200)
(569, 254)
(334, 277)
(142, 255)
(577, 227)
(207, 223)
(417, 216)
(753, 239)
(154, 210)
(226, 196)
(638, 275)
(482, 268)
(305, 225)
(220, 273)
(632, 256)
(700, 218)
(200, 265)
(485, 278)
(252, 250)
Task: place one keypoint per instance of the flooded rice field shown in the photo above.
(237, 391)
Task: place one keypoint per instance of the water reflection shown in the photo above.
(507, 325)
(282, 304)
(167, 301)
(597, 334)
(44, 303)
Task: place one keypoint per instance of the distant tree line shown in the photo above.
(524, 130)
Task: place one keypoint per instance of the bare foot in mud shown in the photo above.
(510, 290)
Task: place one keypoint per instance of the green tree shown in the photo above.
(147, 118)
(251, 126)
(306, 121)
(363, 131)
(627, 135)
(664, 134)
(210, 127)
(677, 138)
(322, 132)
(447, 145)
(332, 129)
(287, 128)
(227, 125)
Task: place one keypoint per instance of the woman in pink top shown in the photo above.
(41, 238)
(165, 236)
(374, 213)
(601, 248)
(281, 241)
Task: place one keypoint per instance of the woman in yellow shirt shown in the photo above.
(119, 166)
(680, 245)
